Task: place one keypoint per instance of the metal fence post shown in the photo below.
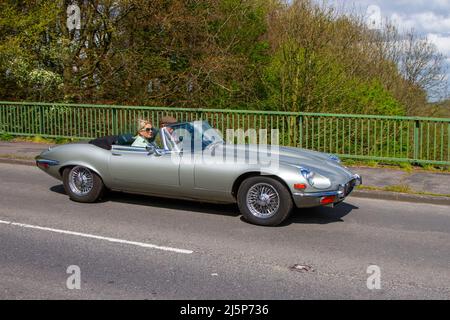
(416, 140)
(41, 120)
(300, 129)
(200, 114)
(115, 125)
(448, 142)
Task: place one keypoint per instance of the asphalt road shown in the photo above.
(130, 246)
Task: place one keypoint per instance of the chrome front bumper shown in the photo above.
(313, 199)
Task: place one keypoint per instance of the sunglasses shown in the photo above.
(147, 129)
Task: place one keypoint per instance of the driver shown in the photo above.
(144, 134)
(166, 123)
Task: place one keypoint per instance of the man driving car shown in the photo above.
(165, 124)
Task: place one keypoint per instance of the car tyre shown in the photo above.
(82, 184)
(264, 201)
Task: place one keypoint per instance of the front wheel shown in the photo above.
(264, 201)
(82, 184)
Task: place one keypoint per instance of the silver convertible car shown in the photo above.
(191, 160)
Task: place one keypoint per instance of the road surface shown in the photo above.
(138, 247)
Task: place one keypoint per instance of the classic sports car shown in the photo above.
(192, 161)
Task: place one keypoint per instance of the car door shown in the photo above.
(134, 169)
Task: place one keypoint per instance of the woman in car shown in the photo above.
(144, 134)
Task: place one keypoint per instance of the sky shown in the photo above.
(430, 18)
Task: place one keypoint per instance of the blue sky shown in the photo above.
(430, 18)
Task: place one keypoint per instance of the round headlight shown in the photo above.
(321, 182)
(314, 179)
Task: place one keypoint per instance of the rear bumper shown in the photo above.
(314, 199)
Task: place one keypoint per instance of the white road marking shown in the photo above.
(86, 235)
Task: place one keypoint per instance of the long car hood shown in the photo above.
(313, 160)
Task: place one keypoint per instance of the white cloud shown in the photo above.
(425, 16)
(428, 18)
(402, 22)
(442, 43)
(422, 22)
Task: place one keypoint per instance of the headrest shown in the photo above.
(125, 139)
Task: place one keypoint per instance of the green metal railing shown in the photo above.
(411, 139)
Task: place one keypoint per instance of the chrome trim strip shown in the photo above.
(130, 149)
(319, 194)
(134, 149)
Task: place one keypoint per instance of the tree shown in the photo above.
(255, 54)
(27, 64)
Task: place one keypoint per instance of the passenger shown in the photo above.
(144, 135)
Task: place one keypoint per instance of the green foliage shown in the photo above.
(399, 188)
(327, 88)
(372, 163)
(5, 136)
(428, 167)
(406, 166)
(38, 139)
(253, 54)
(373, 98)
(27, 60)
(62, 140)
(348, 162)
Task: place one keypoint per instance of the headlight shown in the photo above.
(307, 174)
(314, 179)
(334, 157)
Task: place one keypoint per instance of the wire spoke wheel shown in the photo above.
(263, 200)
(81, 181)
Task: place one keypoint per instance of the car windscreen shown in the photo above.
(195, 135)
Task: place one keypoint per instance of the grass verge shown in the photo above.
(402, 189)
(404, 166)
(15, 156)
(35, 139)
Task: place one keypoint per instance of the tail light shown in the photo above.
(42, 165)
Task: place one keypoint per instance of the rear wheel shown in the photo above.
(264, 201)
(82, 184)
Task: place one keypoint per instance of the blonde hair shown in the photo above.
(142, 124)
